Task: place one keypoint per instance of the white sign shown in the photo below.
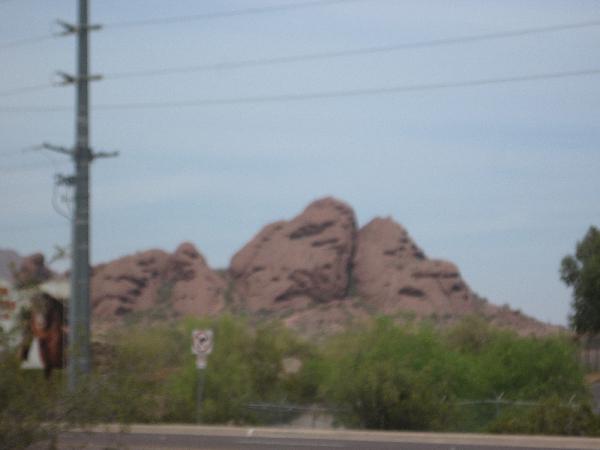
(202, 345)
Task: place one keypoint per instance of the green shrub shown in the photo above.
(387, 377)
(525, 368)
(550, 416)
(25, 406)
(381, 376)
(246, 366)
(390, 377)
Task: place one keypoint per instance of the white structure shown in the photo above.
(14, 301)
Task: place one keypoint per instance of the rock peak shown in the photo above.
(188, 250)
(391, 271)
(329, 202)
(290, 264)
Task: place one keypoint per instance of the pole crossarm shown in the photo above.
(70, 28)
(100, 155)
(71, 152)
(66, 78)
(58, 149)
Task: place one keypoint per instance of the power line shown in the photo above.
(25, 228)
(348, 93)
(226, 14)
(26, 41)
(255, 62)
(9, 153)
(26, 89)
(321, 95)
(326, 55)
(186, 18)
(25, 167)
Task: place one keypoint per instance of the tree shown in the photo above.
(582, 272)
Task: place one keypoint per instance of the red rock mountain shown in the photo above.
(318, 272)
(178, 284)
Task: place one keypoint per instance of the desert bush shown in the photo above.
(247, 366)
(550, 416)
(24, 406)
(380, 375)
(516, 367)
(244, 367)
(387, 376)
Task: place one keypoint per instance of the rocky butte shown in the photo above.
(317, 272)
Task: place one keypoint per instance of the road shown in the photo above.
(159, 437)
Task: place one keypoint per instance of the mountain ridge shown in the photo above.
(318, 272)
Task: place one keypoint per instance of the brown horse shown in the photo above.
(47, 324)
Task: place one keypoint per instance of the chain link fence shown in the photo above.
(469, 415)
(590, 353)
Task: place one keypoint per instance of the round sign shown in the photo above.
(202, 342)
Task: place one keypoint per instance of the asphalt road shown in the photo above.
(230, 438)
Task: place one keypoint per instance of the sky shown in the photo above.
(502, 178)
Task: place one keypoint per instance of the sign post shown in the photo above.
(202, 345)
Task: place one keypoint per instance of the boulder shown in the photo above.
(173, 284)
(292, 264)
(31, 271)
(197, 289)
(392, 273)
(9, 259)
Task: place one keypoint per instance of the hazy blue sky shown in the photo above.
(502, 179)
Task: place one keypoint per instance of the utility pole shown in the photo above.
(79, 354)
(79, 310)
